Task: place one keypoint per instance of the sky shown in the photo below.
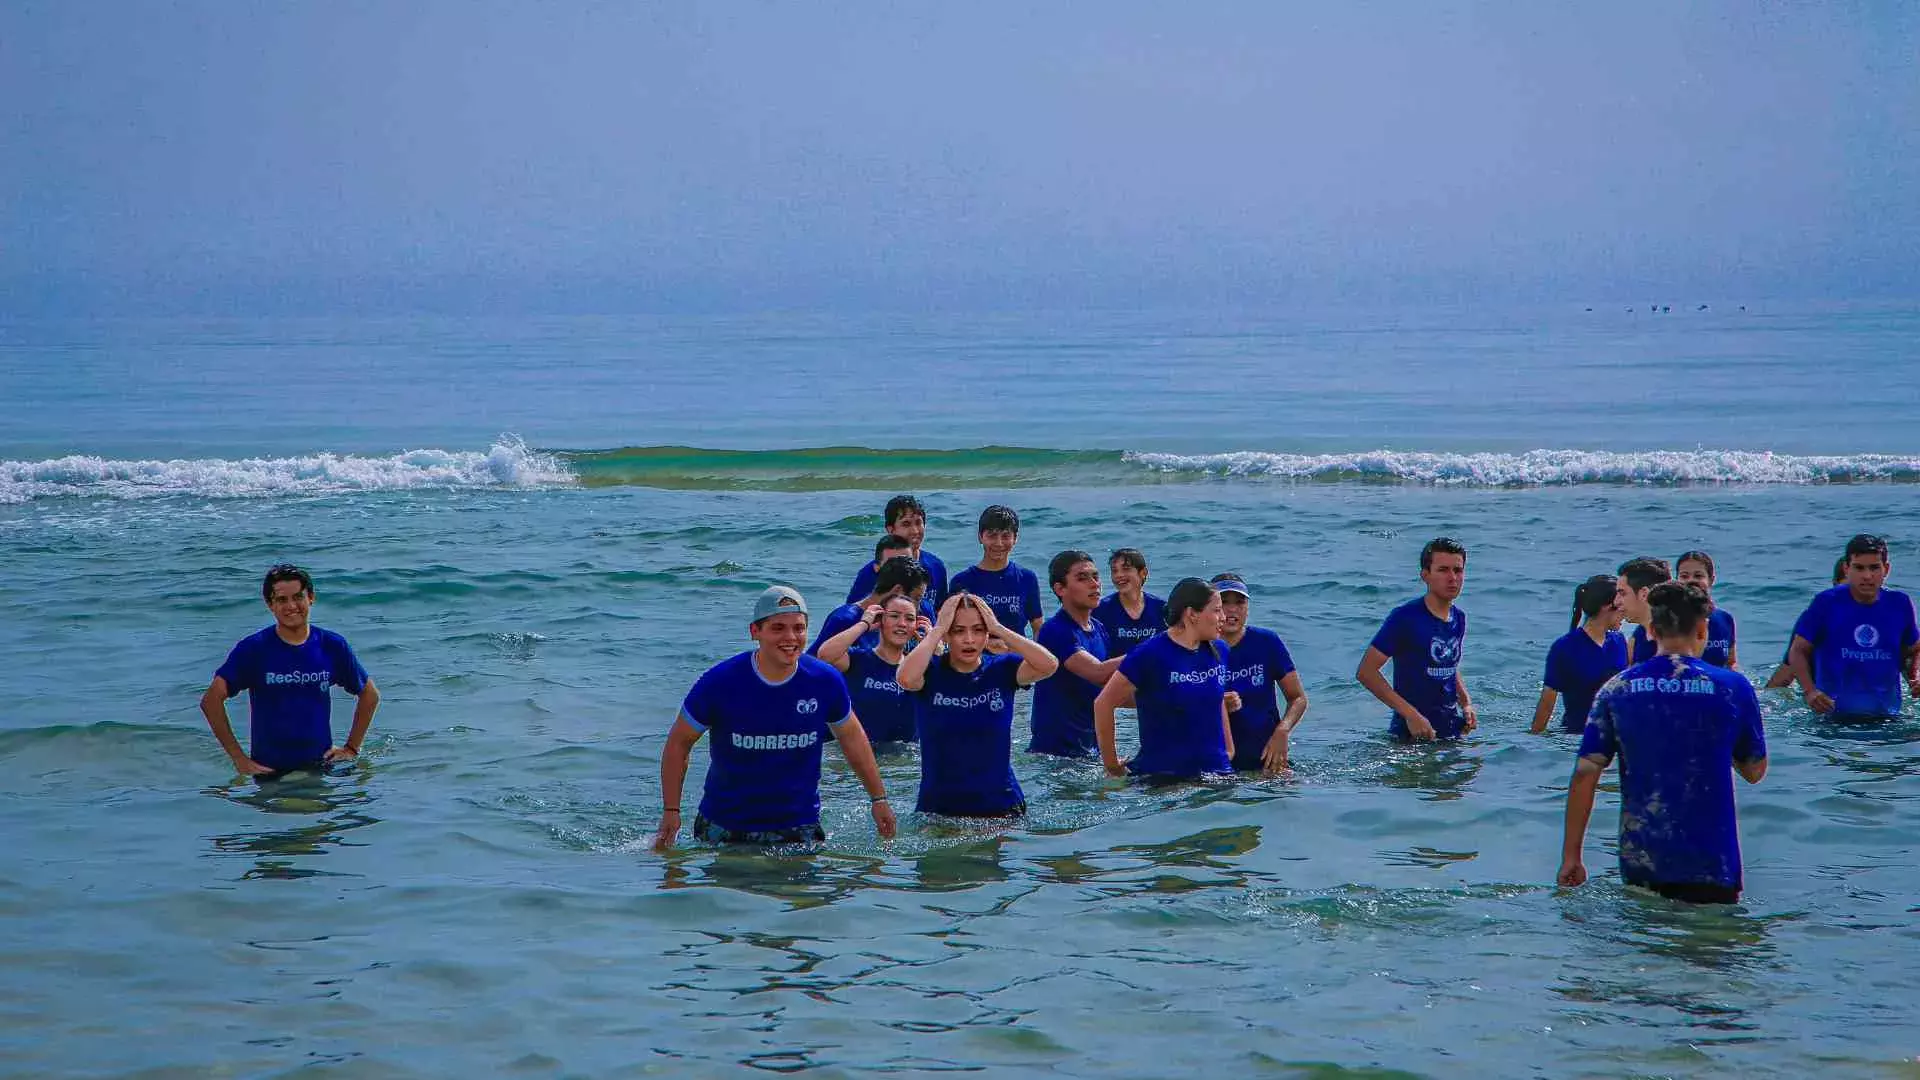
(213, 157)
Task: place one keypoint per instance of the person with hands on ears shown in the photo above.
(885, 710)
(287, 671)
(964, 699)
(1258, 664)
(1424, 638)
(1176, 682)
(769, 710)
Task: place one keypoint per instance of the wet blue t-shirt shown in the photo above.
(1123, 630)
(1177, 694)
(765, 745)
(1426, 665)
(1641, 646)
(838, 620)
(966, 738)
(1720, 638)
(1254, 670)
(1677, 725)
(1859, 649)
(289, 692)
(936, 580)
(1063, 702)
(1012, 593)
(1577, 669)
(886, 712)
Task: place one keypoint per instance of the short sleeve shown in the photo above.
(1910, 633)
(1387, 638)
(347, 673)
(1600, 739)
(698, 707)
(862, 584)
(1749, 731)
(1733, 631)
(1005, 672)
(836, 706)
(1138, 665)
(1555, 676)
(1031, 603)
(241, 670)
(1808, 624)
(1280, 661)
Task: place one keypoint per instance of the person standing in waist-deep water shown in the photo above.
(1676, 723)
(964, 699)
(1010, 589)
(1176, 682)
(899, 576)
(1131, 614)
(1855, 641)
(1782, 676)
(1696, 568)
(1258, 665)
(885, 710)
(1424, 638)
(769, 709)
(288, 671)
(906, 519)
(1063, 704)
(1639, 575)
(1586, 656)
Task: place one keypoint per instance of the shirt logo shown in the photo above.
(1866, 635)
(807, 706)
(887, 685)
(776, 742)
(1217, 675)
(295, 678)
(1253, 673)
(1445, 650)
(991, 699)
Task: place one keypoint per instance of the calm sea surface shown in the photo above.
(504, 518)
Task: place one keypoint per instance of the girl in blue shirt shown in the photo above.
(1696, 568)
(1177, 683)
(1260, 672)
(1586, 656)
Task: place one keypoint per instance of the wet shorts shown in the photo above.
(1692, 892)
(707, 832)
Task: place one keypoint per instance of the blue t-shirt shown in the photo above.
(1720, 638)
(886, 712)
(1577, 669)
(289, 692)
(1177, 694)
(966, 738)
(765, 773)
(1063, 702)
(1641, 646)
(1677, 725)
(1012, 593)
(838, 620)
(1859, 649)
(1123, 630)
(1426, 664)
(1254, 670)
(936, 580)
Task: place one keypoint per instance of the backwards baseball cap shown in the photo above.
(1227, 583)
(778, 600)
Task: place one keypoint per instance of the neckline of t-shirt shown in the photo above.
(754, 663)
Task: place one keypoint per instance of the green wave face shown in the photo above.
(843, 468)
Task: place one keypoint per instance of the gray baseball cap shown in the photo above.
(778, 600)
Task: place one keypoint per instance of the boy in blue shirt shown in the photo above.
(1639, 575)
(287, 671)
(1010, 589)
(900, 576)
(769, 709)
(1063, 704)
(906, 519)
(1131, 614)
(1853, 643)
(1424, 638)
(1677, 724)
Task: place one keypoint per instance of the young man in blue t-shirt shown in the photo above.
(1063, 704)
(1009, 588)
(1680, 727)
(906, 519)
(1424, 639)
(287, 671)
(901, 576)
(1131, 614)
(1855, 641)
(769, 709)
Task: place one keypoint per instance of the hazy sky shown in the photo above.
(630, 156)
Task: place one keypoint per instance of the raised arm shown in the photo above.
(912, 672)
(834, 650)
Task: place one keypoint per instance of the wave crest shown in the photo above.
(508, 463)
(1547, 467)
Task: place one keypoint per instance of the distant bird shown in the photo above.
(1702, 307)
(1589, 309)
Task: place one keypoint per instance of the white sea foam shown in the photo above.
(1547, 467)
(508, 463)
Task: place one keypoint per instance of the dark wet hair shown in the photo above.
(997, 518)
(1131, 556)
(1592, 597)
(1677, 609)
(1840, 570)
(1645, 572)
(285, 572)
(1063, 564)
(1190, 594)
(1699, 557)
(1441, 545)
(900, 506)
(900, 572)
(1867, 544)
(888, 543)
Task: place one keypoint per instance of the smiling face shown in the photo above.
(997, 544)
(910, 527)
(1126, 579)
(291, 605)
(1695, 572)
(896, 622)
(782, 638)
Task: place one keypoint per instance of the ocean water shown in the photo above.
(510, 521)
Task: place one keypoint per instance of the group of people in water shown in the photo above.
(916, 655)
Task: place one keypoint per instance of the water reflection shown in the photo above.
(1150, 868)
(962, 866)
(339, 809)
(1443, 772)
(800, 876)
